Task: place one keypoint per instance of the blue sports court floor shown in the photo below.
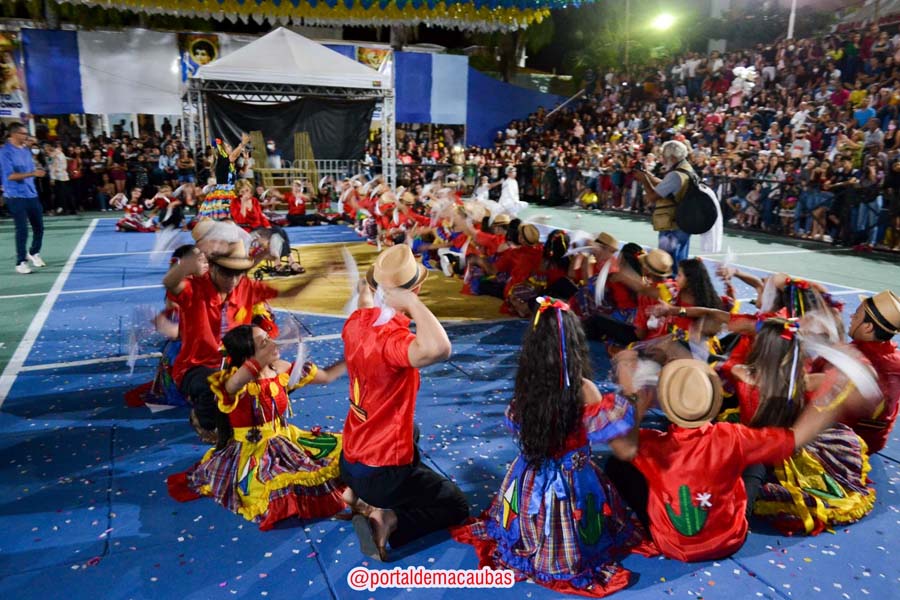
(85, 513)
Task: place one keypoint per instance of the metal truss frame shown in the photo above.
(194, 108)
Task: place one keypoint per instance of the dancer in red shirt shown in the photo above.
(695, 500)
(395, 497)
(872, 326)
(213, 297)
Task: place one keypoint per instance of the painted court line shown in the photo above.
(145, 252)
(779, 252)
(89, 361)
(24, 348)
(87, 291)
(125, 357)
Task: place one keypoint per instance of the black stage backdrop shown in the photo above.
(338, 129)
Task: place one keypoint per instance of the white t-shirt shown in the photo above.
(800, 148)
(799, 118)
(511, 134)
(691, 66)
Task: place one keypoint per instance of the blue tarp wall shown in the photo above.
(492, 104)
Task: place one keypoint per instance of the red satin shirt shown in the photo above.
(875, 427)
(697, 500)
(201, 319)
(378, 431)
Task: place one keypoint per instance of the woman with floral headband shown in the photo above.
(266, 469)
(556, 518)
(217, 203)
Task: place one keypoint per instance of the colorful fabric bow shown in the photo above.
(791, 327)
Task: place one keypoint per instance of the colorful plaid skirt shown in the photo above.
(287, 473)
(562, 525)
(822, 485)
(217, 204)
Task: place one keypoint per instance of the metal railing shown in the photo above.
(311, 171)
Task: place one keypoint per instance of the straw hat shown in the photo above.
(236, 258)
(658, 262)
(884, 309)
(501, 219)
(202, 229)
(689, 392)
(607, 240)
(529, 234)
(396, 267)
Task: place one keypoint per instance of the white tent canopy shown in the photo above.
(285, 57)
(283, 66)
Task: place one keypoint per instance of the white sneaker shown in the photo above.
(827, 239)
(23, 268)
(36, 260)
(59, 210)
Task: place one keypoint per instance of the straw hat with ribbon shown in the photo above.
(236, 258)
(689, 392)
(884, 310)
(396, 267)
(658, 262)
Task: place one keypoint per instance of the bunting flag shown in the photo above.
(477, 15)
(431, 88)
(102, 72)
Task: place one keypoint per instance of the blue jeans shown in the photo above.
(867, 218)
(24, 210)
(678, 244)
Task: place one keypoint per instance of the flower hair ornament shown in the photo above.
(544, 303)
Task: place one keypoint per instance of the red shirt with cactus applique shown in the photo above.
(697, 503)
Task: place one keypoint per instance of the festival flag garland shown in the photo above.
(475, 15)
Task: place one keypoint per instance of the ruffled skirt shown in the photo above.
(288, 473)
(568, 541)
(822, 485)
(217, 204)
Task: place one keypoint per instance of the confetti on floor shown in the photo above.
(86, 514)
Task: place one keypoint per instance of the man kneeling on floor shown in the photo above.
(394, 497)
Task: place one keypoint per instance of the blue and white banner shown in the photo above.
(431, 88)
(102, 72)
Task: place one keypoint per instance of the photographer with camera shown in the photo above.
(665, 194)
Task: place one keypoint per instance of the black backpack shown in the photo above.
(697, 211)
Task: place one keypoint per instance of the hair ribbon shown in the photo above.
(545, 303)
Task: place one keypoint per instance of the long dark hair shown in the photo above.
(699, 284)
(771, 360)
(631, 254)
(545, 411)
(555, 249)
(239, 344)
(239, 347)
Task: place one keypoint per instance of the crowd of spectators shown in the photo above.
(810, 151)
(86, 174)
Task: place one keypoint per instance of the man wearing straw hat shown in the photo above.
(690, 486)
(395, 498)
(872, 326)
(213, 296)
